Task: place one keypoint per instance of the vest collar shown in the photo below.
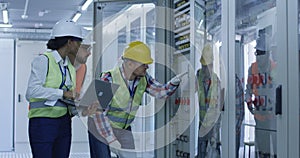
(59, 59)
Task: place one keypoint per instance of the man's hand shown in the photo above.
(115, 144)
(115, 147)
(91, 109)
(177, 79)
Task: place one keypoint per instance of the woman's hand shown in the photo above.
(69, 95)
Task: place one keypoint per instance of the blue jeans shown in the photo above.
(50, 137)
(98, 149)
(202, 145)
(98, 145)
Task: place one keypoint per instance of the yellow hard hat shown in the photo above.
(207, 56)
(138, 51)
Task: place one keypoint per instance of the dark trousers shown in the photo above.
(237, 144)
(202, 145)
(98, 148)
(98, 145)
(50, 137)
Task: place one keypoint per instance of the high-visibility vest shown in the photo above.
(212, 98)
(54, 78)
(120, 112)
(256, 79)
(263, 90)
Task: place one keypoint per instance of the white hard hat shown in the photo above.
(263, 43)
(88, 41)
(66, 28)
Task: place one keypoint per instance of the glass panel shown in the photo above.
(121, 40)
(255, 70)
(299, 50)
(209, 72)
(122, 23)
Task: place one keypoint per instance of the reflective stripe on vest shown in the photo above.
(34, 105)
(53, 80)
(121, 113)
(123, 109)
(211, 100)
(257, 79)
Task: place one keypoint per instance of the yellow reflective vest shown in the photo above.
(123, 107)
(208, 99)
(37, 108)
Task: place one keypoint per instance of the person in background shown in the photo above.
(52, 78)
(134, 81)
(79, 61)
(209, 90)
(240, 111)
(260, 98)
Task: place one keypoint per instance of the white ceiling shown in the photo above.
(45, 13)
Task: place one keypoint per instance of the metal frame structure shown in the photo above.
(288, 122)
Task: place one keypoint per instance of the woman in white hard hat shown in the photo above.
(52, 78)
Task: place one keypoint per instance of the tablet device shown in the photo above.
(69, 102)
(98, 90)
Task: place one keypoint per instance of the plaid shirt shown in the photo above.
(239, 103)
(154, 88)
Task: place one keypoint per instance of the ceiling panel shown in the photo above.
(45, 13)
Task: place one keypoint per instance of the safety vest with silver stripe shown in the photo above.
(121, 113)
(210, 100)
(262, 85)
(53, 80)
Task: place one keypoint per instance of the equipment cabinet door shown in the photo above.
(262, 68)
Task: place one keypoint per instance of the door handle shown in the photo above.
(19, 98)
(278, 104)
(223, 99)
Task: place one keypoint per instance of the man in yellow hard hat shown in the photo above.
(133, 79)
(209, 106)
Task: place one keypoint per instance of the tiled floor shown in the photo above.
(87, 155)
(28, 155)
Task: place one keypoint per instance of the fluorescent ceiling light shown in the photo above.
(76, 16)
(238, 37)
(5, 16)
(5, 25)
(200, 23)
(88, 28)
(86, 4)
